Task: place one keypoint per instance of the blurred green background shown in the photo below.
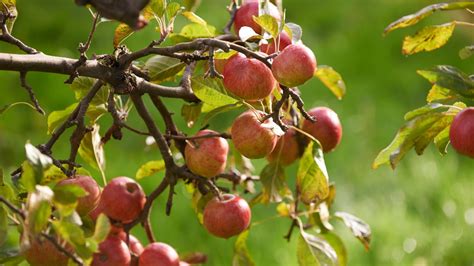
(420, 214)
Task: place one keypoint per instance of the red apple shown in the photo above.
(134, 244)
(43, 253)
(251, 137)
(327, 128)
(207, 156)
(294, 66)
(248, 78)
(112, 252)
(461, 133)
(159, 254)
(246, 12)
(286, 150)
(88, 202)
(270, 48)
(227, 217)
(122, 199)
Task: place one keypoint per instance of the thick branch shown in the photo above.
(91, 68)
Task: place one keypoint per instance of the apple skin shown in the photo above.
(244, 16)
(134, 244)
(461, 132)
(250, 136)
(208, 156)
(158, 254)
(44, 253)
(112, 252)
(248, 78)
(327, 128)
(89, 202)
(122, 199)
(270, 48)
(286, 150)
(227, 217)
(294, 66)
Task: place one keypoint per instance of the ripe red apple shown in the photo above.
(227, 217)
(461, 133)
(251, 137)
(43, 253)
(134, 244)
(88, 202)
(112, 252)
(248, 78)
(246, 12)
(286, 150)
(122, 199)
(294, 66)
(327, 128)
(207, 156)
(271, 48)
(159, 254)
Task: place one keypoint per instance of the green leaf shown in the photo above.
(56, 118)
(65, 198)
(466, 52)
(81, 87)
(74, 235)
(6, 190)
(314, 251)
(199, 202)
(150, 168)
(161, 68)
(359, 228)
(274, 183)
(405, 139)
(332, 80)
(102, 228)
(91, 149)
(157, 7)
(312, 177)
(172, 10)
(428, 136)
(432, 107)
(38, 209)
(269, 24)
(9, 6)
(193, 31)
(191, 16)
(442, 140)
(10, 257)
(440, 94)
(192, 5)
(337, 244)
(428, 39)
(191, 112)
(219, 110)
(412, 19)
(241, 252)
(212, 92)
(451, 78)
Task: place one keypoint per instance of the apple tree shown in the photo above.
(254, 64)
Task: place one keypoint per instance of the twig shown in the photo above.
(82, 50)
(7, 37)
(12, 207)
(28, 88)
(299, 104)
(232, 11)
(81, 129)
(148, 229)
(212, 73)
(206, 136)
(59, 247)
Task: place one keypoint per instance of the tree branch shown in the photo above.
(8, 38)
(28, 88)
